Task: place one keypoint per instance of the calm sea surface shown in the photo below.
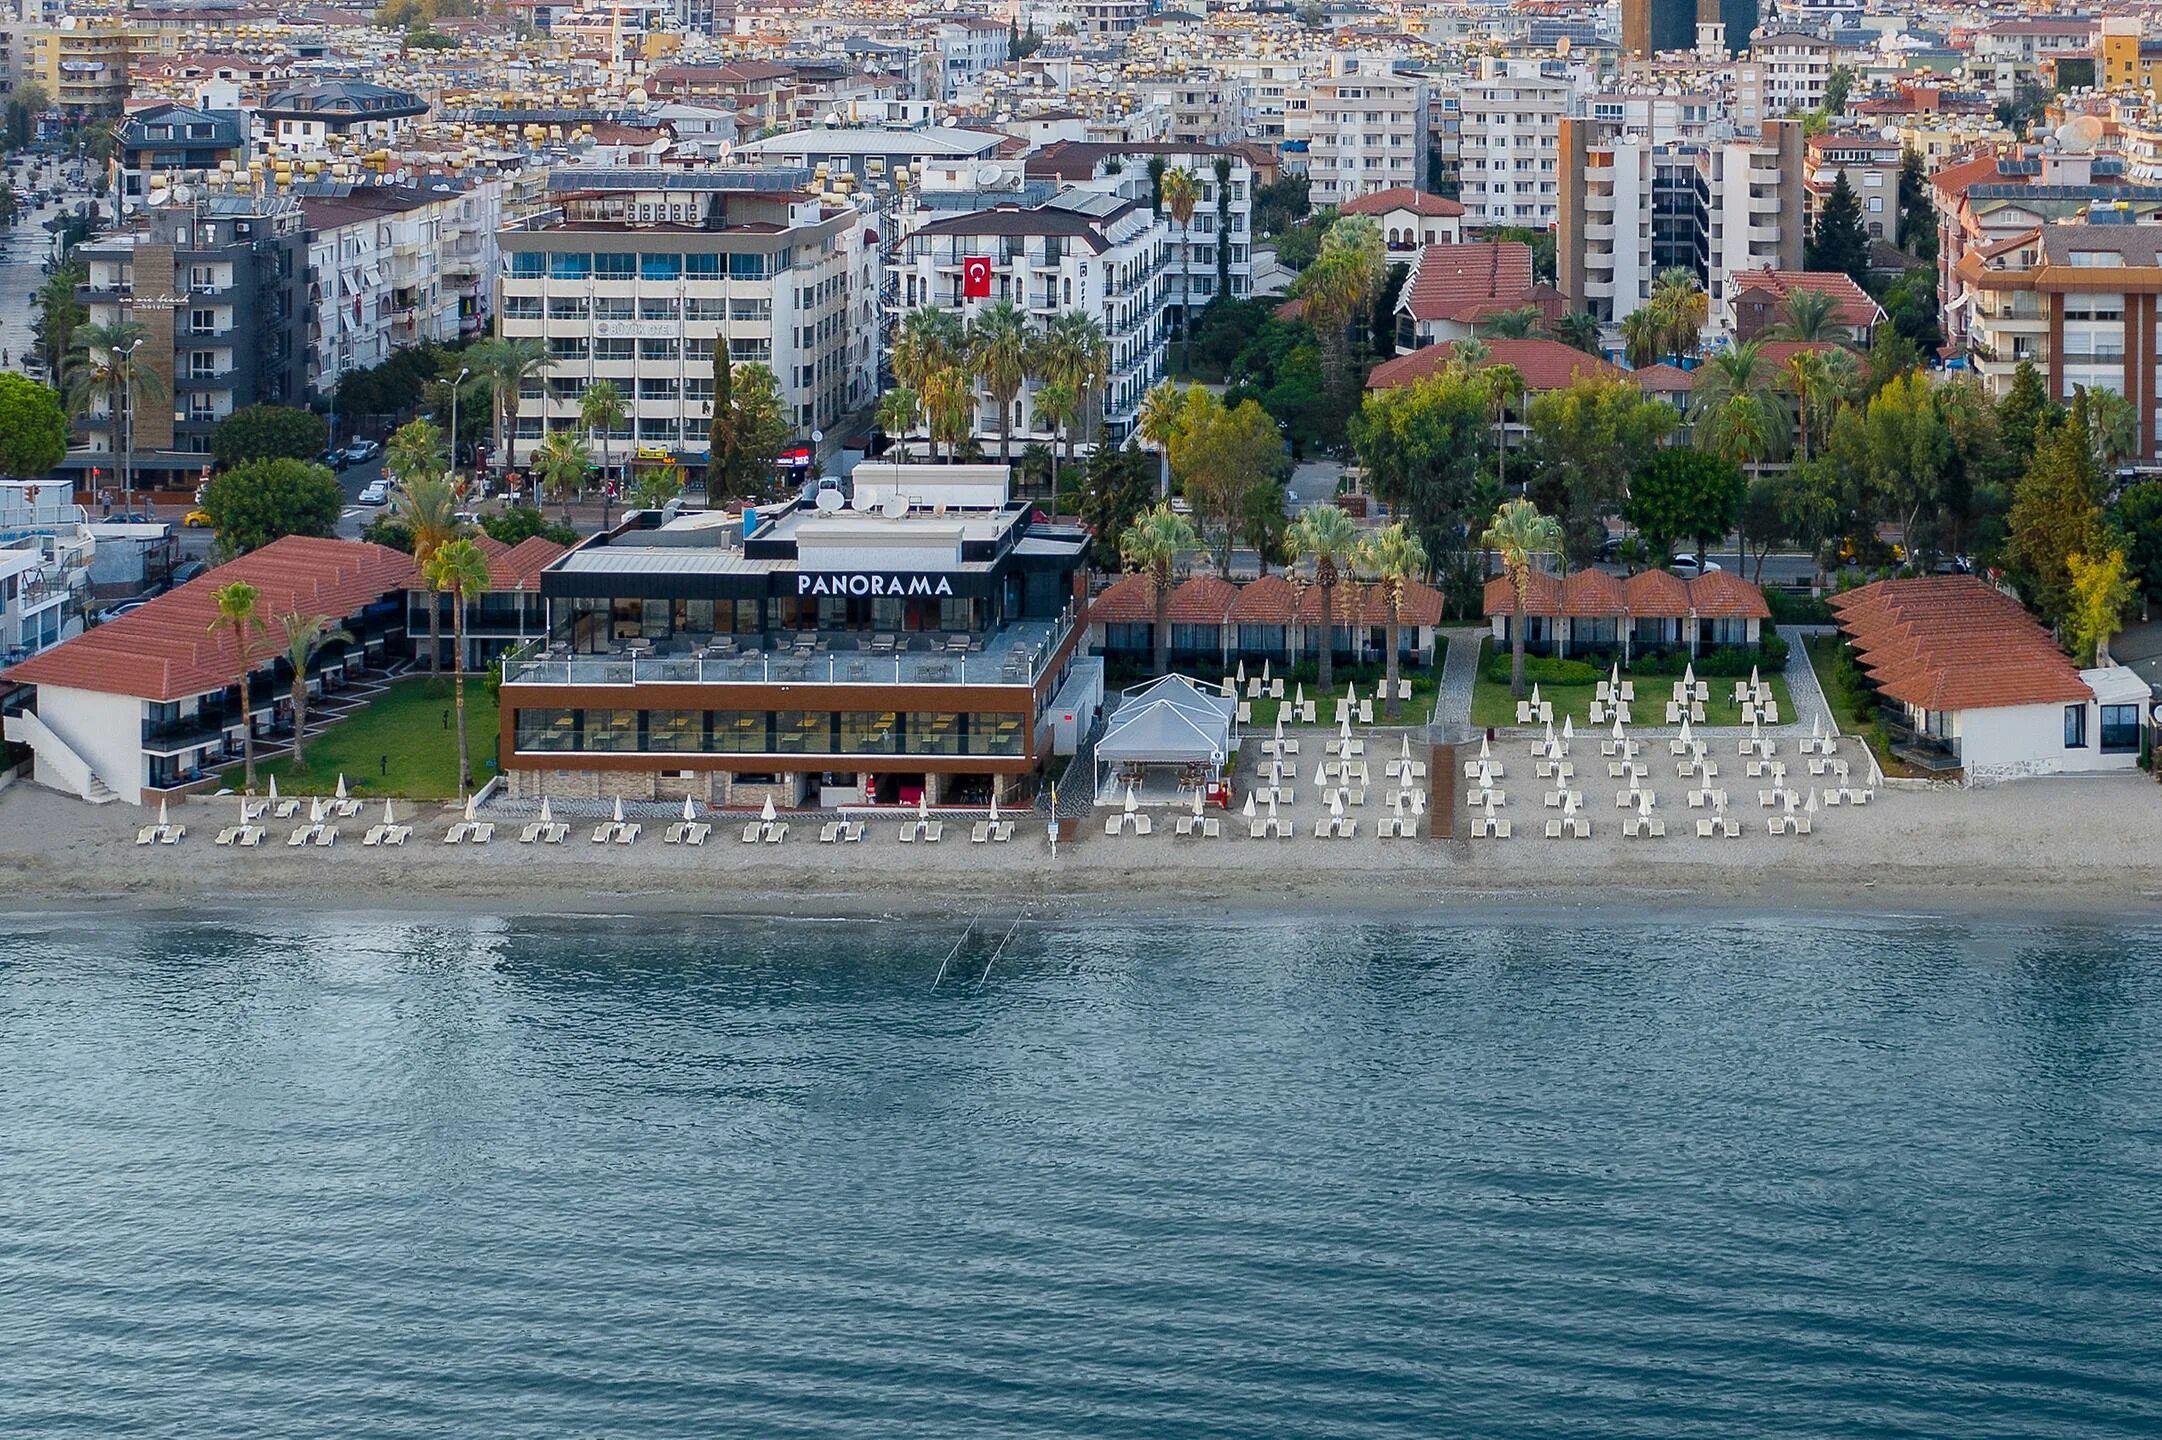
(366, 1177)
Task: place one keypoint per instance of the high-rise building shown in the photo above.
(1650, 26)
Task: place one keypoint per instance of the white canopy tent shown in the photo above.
(1172, 723)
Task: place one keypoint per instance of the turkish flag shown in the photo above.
(976, 277)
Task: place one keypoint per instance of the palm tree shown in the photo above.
(1000, 348)
(1808, 315)
(896, 414)
(1504, 384)
(1075, 353)
(1151, 546)
(1060, 408)
(600, 410)
(1641, 337)
(2113, 426)
(949, 403)
(560, 464)
(237, 604)
(304, 636)
(1393, 555)
(1737, 415)
(427, 501)
(1518, 324)
(1180, 193)
(1328, 535)
(1579, 330)
(458, 569)
(925, 342)
(1340, 282)
(501, 367)
(1518, 533)
(415, 448)
(100, 367)
(1163, 411)
(61, 314)
(1678, 299)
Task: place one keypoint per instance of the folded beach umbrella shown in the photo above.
(273, 788)
(1248, 812)
(690, 811)
(766, 812)
(619, 808)
(341, 785)
(547, 817)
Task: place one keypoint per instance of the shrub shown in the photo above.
(1547, 670)
(1788, 608)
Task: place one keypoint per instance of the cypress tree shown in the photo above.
(1838, 242)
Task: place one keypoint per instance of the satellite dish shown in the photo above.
(828, 501)
(896, 505)
(2079, 133)
(866, 498)
(949, 122)
(986, 174)
(726, 151)
(182, 195)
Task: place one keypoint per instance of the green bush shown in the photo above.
(1788, 608)
(1546, 670)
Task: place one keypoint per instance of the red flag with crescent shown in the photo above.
(976, 277)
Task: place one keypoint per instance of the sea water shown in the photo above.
(306, 1174)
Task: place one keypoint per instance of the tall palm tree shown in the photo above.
(1180, 193)
(601, 409)
(560, 465)
(1000, 348)
(1678, 299)
(1163, 411)
(949, 402)
(1641, 337)
(237, 605)
(1519, 324)
(896, 414)
(1151, 546)
(1339, 284)
(1737, 414)
(1504, 385)
(926, 340)
(1060, 407)
(103, 365)
(501, 366)
(415, 448)
(1518, 533)
(2113, 427)
(1810, 315)
(1393, 555)
(1327, 535)
(1579, 330)
(60, 314)
(458, 569)
(1076, 354)
(427, 501)
(305, 635)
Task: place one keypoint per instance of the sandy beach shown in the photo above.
(2061, 844)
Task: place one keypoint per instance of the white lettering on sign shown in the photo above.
(927, 585)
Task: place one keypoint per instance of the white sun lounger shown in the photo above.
(326, 835)
(776, 832)
(750, 832)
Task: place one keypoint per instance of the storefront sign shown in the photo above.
(874, 584)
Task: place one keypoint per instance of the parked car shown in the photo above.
(182, 574)
(360, 452)
(198, 520)
(1689, 567)
(332, 460)
(375, 492)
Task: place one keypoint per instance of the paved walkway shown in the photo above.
(1459, 669)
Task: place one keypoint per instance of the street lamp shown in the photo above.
(456, 386)
(124, 422)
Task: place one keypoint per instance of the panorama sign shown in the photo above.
(874, 584)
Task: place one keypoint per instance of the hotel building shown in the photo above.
(639, 272)
(910, 642)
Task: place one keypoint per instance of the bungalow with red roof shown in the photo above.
(1215, 623)
(1410, 218)
(1452, 288)
(508, 613)
(1976, 684)
(1590, 612)
(1756, 303)
(151, 701)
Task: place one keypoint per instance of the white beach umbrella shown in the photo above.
(1569, 802)
(1613, 680)
(690, 811)
(273, 788)
(1264, 672)
(1689, 675)
(1240, 674)
(1786, 798)
(1197, 802)
(1343, 731)
(1816, 727)
(1321, 772)
(1336, 804)
(1754, 682)
(1811, 807)
(1619, 736)
(315, 811)
(1490, 809)
(1405, 752)
(1549, 737)
(341, 785)
(1130, 803)
(1685, 731)
(1535, 692)
(1298, 696)
(1248, 812)
(766, 812)
(619, 808)
(1272, 807)
(923, 801)
(389, 816)
(472, 807)
(547, 815)
(1568, 727)
(1351, 694)
(994, 807)
(162, 821)
(1644, 803)
(1279, 730)
(1486, 749)
(243, 809)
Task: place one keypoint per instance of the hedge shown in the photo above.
(1729, 662)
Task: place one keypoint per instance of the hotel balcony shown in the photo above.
(1017, 654)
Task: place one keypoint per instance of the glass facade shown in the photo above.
(553, 730)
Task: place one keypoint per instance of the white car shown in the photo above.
(1689, 567)
(377, 492)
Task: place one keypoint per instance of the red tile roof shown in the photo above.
(1954, 642)
(1855, 307)
(168, 650)
(1724, 595)
(1542, 596)
(1266, 601)
(514, 567)
(1128, 600)
(1544, 364)
(1656, 594)
(1203, 600)
(1663, 379)
(1402, 197)
(1591, 593)
(1652, 595)
(1463, 282)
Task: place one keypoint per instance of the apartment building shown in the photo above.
(1203, 105)
(174, 141)
(1871, 165)
(392, 266)
(2010, 53)
(1365, 128)
(1633, 207)
(1270, 82)
(218, 285)
(638, 274)
(1796, 68)
(2077, 299)
(761, 92)
(305, 120)
(1104, 254)
(83, 63)
(969, 45)
(1223, 218)
(1509, 139)
(46, 548)
(1410, 219)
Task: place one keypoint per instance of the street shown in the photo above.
(22, 254)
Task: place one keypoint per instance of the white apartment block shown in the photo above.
(640, 274)
(1205, 105)
(969, 45)
(1085, 250)
(1510, 139)
(1796, 69)
(1270, 81)
(1366, 129)
(1192, 248)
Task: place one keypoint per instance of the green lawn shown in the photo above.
(1424, 684)
(1824, 659)
(397, 745)
(1493, 705)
